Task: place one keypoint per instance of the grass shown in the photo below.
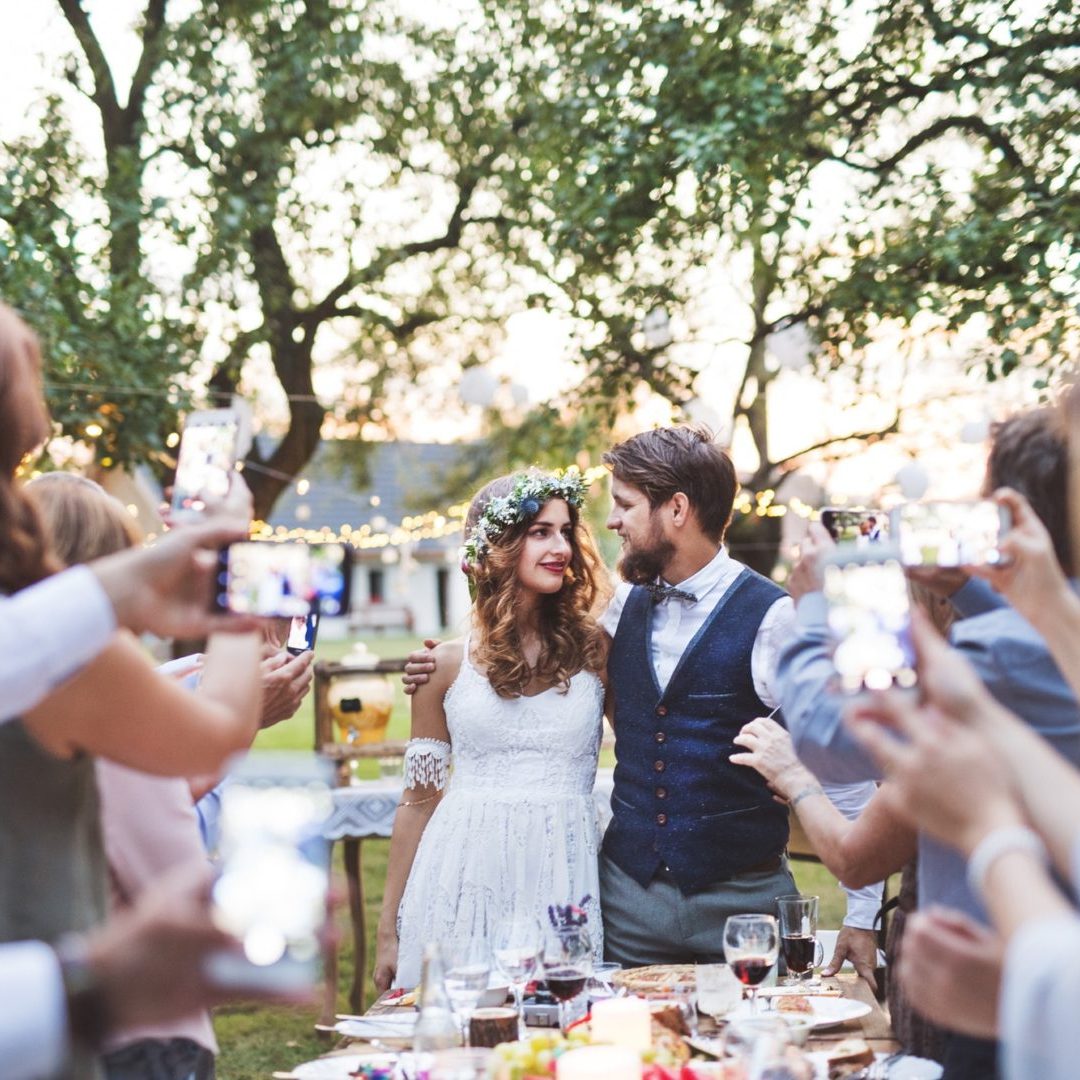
(255, 1040)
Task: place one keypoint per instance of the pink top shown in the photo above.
(150, 826)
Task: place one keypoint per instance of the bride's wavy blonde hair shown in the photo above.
(570, 638)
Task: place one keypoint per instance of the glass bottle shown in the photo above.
(436, 1026)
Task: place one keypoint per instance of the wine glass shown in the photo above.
(466, 967)
(798, 939)
(751, 946)
(567, 960)
(516, 948)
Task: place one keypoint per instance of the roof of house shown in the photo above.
(401, 479)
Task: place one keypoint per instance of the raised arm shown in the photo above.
(426, 762)
(120, 708)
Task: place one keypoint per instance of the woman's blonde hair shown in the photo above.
(82, 520)
(570, 639)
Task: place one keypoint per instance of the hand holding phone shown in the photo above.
(869, 620)
(271, 892)
(293, 579)
(206, 461)
(950, 534)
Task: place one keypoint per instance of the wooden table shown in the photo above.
(874, 1027)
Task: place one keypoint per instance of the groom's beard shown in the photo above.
(643, 565)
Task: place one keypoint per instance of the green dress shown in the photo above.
(53, 873)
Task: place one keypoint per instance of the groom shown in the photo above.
(695, 640)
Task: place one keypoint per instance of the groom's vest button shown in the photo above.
(660, 737)
(661, 710)
(661, 792)
(661, 819)
(658, 766)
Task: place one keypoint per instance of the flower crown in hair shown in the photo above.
(530, 492)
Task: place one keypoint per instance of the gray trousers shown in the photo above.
(657, 924)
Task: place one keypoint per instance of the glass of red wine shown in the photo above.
(751, 945)
(567, 962)
(798, 938)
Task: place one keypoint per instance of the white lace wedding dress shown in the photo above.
(516, 829)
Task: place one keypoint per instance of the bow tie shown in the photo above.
(660, 593)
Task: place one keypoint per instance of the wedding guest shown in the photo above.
(52, 869)
(1028, 453)
(144, 967)
(969, 772)
(517, 705)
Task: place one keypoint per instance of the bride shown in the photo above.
(518, 704)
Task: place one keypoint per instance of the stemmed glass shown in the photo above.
(466, 967)
(798, 939)
(516, 947)
(567, 960)
(751, 946)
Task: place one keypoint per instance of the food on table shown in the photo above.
(534, 1056)
(795, 1003)
(667, 1016)
(848, 1057)
(645, 980)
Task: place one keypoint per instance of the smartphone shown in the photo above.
(260, 577)
(855, 525)
(204, 466)
(869, 618)
(303, 629)
(274, 871)
(958, 533)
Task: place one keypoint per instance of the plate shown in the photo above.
(339, 1068)
(390, 1026)
(828, 1011)
(905, 1068)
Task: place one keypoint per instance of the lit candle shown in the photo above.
(622, 1021)
(598, 1063)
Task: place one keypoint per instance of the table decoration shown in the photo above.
(622, 1022)
(599, 1063)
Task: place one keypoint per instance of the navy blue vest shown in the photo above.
(677, 800)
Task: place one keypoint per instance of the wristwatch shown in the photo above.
(87, 1009)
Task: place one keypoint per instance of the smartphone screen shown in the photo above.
(303, 630)
(870, 623)
(855, 526)
(206, 460)
(949, 533)
(293, 579)
(271, 890)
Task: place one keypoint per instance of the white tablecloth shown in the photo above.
(366, 808)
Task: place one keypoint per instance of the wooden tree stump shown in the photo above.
(489, 1027)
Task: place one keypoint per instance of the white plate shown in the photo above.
(905, 1068)
(828, 1011)
(339, 1068)
(391, 1026)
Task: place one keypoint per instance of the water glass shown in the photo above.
(718, 991)
(466, 969)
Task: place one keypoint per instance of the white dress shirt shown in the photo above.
(48, 632)
(33, 1016)
(674, 625)
(1040, 997)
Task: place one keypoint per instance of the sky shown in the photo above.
(948, 407)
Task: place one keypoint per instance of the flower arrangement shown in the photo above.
(530, 492)
(566, 916)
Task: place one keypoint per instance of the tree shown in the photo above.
(359, 184)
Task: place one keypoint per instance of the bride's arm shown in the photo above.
(422, 794)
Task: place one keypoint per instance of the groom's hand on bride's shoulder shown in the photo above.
(419, 665)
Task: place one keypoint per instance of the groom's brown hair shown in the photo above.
(663, 461)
